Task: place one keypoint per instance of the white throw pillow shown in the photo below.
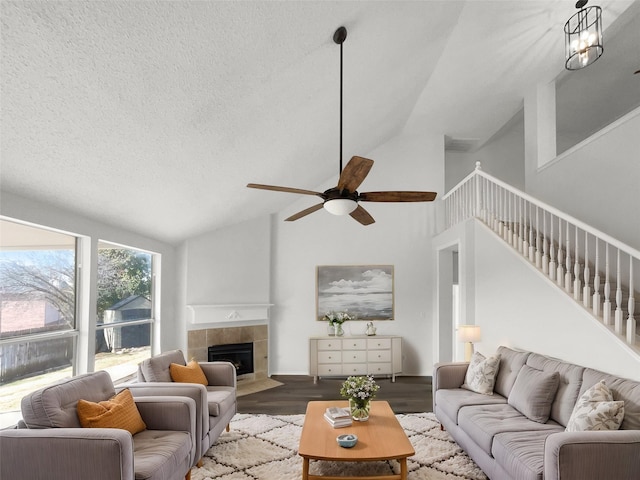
(481, 374)
(596, 410)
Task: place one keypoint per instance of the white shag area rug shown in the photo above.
(265, 447)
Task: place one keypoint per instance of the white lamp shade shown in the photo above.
(469, 333)
(340, 206)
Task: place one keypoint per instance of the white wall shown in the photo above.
(519, 307)
(597, 181)
(230, 265)
(502, 157)
(20, 208)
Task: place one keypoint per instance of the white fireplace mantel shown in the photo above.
(233, 314)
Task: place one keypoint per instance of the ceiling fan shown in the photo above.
(344, 198)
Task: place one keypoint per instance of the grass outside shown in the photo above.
(119, 365)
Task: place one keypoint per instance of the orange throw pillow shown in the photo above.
(192, 373)
(118, 412)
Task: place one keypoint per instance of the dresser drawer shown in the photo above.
(374, 343)
(354, 356)
(379, 356)
(379, 369)
(329, 357)
(326, 370)
(354, 344)
(354, 369)
(329, 344)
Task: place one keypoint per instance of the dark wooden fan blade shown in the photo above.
(304, 213)
(285, 189)
(361, 215)
(354, 173)
(397, 196)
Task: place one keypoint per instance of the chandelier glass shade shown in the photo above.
(340, 206)
(583, 37)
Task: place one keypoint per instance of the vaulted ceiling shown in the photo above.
(155, 115)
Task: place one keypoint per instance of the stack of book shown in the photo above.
(338, 417)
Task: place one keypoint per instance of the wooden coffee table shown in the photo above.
(379, 438)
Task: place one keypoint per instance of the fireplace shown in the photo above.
(240, 354)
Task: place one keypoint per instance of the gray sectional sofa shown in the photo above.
(507, 444)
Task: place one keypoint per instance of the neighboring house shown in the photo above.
(20, 315)
(135, 307)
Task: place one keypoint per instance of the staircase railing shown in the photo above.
(595, 268)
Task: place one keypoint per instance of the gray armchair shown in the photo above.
(50, 443)
(215, 404)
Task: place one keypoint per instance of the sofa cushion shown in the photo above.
(220, 399)
(158, 454)
(596, 410)
(191, 373)
(481, 373)
(54, 406)
(482, 422)
(568, 386)
(156, 369)
(521, 454)
(117, 412)
(450, 401)
(533, 393)
(511, 361)
(622, 389)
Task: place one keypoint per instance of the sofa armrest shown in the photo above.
(219, 374)
(592, 455)
(194, 391)
(447, 375)
(168, 413)
(64, 453)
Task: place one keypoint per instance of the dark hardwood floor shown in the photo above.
(405, 395)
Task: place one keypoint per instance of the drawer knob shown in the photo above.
(354, 357)
(330, 357)
(329, 344)
(354, 344)
(379, 356)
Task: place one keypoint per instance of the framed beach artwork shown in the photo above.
(365, 291)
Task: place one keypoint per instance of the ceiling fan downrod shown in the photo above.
(339, 37)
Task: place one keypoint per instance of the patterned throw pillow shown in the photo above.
(596, 410)
(481, 374)
(191, 373)
(118, 412)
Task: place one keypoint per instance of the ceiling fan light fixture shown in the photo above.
(340, 206)
(583, 37)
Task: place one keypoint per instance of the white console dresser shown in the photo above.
(355, 355)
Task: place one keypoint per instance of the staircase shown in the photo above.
(598, 271)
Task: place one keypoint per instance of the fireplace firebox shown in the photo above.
(240, 354)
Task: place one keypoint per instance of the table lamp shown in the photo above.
(469, 334)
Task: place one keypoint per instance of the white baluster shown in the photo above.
(606, 307)
(538, 256)
(577, 284)
(545, 245)
(567, 271)
(521, 221)
(618, 312)
(560, 269)
(596, 283)
(514, 224)
(552, 251)
(586, 291)
(526, 240)
(631, 321)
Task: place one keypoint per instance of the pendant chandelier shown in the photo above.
(583, 37)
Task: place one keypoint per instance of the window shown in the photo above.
(37, 308)
(124, 310)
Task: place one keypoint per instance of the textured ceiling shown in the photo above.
(155, 115)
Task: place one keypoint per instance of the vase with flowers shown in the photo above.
(336, 319)
(360, 391)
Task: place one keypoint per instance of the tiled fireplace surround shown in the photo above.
(200, 340)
